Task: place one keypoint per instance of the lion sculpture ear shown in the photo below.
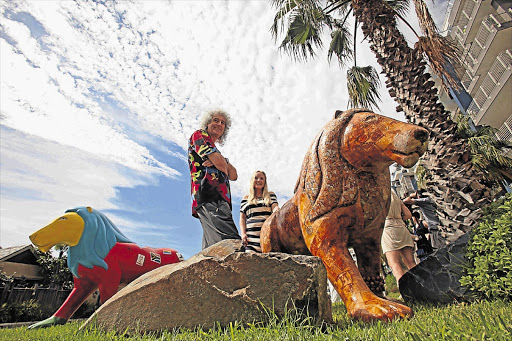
(89, 209)
(338, 113)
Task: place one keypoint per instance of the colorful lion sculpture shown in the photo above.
(99, 257)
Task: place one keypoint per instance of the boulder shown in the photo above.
(436, 278)
(218, 285)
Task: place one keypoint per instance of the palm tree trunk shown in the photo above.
(452, 181)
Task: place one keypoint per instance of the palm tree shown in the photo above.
(306, 23)
(488, 153)
(454, 182)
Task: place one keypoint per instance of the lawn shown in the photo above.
(484, 320)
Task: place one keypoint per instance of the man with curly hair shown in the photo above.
(210, 173)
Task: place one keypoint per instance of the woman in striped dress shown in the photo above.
(255, 208)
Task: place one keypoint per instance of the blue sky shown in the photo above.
(98, 101)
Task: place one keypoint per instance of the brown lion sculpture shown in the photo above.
(341, 200)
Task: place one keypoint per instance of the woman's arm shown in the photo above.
(243, 227)
(274, 205)
(406, 214)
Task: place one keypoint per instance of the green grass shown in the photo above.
(392, 290)
(485, 320)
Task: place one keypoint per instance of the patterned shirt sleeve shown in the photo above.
(202, 144)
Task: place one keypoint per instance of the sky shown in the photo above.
(98, 100)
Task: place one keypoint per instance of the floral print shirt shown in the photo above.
(208, 184)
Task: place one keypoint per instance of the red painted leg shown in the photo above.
(81, 290)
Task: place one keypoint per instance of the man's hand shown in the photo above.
(410, 199)
(218, 161)
(232, 173)
(207, 163)
(221, 164)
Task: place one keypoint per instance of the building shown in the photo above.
(483, 32)
(403, 180)
(20, 261)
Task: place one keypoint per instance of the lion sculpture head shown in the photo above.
(355, 142)
(89, 234)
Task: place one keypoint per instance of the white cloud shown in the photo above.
(109, 80)
(34, 100)
(137, 230)
(41, 179)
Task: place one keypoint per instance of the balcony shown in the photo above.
(498, 75)
(505, 132)
(492, 32)
(468, 14)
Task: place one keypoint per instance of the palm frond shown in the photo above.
(303, 34)
(340, 23)
(399, 6)
(492, 172)
(301, 38)
(463, 130)
(488, 146)
(486, 149)
(486, 130)
(439, 52)
(363, 87)
(341, 46)
(341, 5)
(487, 152)
(285, 7)
(427, 24)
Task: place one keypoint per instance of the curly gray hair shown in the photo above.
(207, 119)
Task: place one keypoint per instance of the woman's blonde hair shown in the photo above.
(266, 195)
(208, 117)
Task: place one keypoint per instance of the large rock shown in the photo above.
(218, 285)
(436, 279)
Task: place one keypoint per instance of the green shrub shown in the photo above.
(5, 313)
(488, 272)
(29, 311)
(55, 269)
(21, 312)
(85, 311)
(495, 209)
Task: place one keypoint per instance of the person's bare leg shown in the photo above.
(393, 258)
(408, 257)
